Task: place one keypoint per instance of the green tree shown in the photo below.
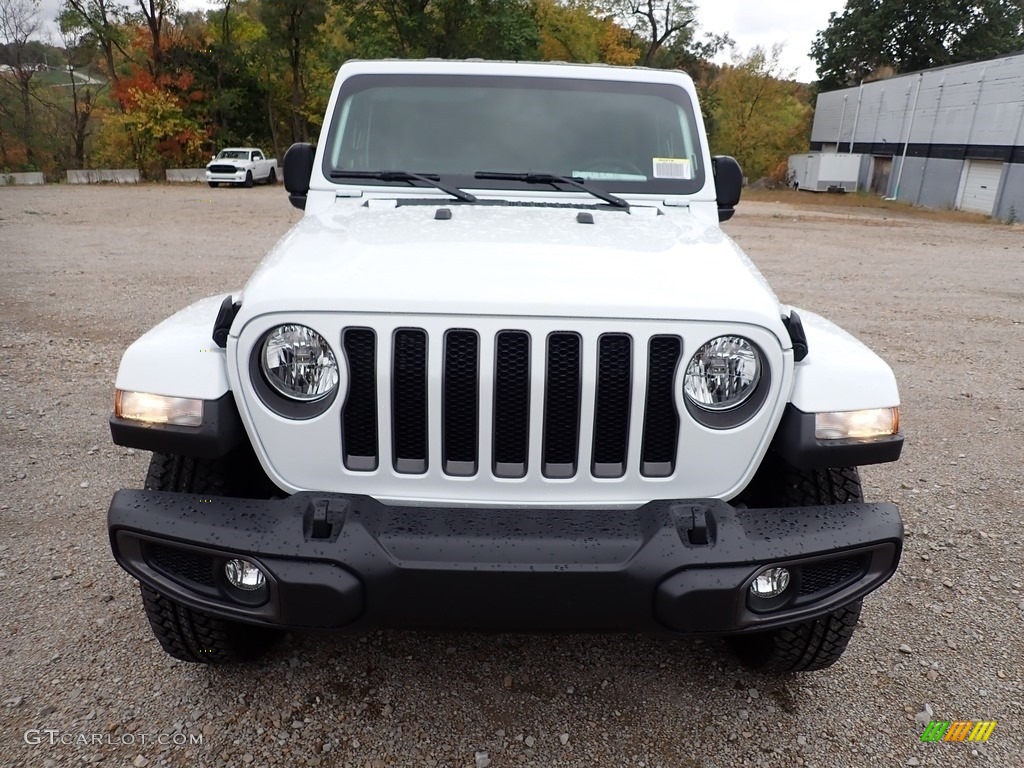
(293, 27)
(454, 29)
(908, 35)
(760, 115)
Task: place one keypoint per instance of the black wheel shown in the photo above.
(272, 177)
(185, 633)
(804, 647)
(818, 643)
(248, 180)
(214, 184)
(197, 637)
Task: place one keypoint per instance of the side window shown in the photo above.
(257, 155)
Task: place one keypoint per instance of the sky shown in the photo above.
(749, 22)
(766, 22)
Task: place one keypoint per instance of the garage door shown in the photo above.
(981, 186)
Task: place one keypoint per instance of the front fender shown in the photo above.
(178, 358)
(840, 373)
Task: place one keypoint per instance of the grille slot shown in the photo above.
(661, 420)
(511, 403)
(562, 405)
(409, 400)
(611, 408)
(460, 402)
(182, 564)
(359, 417)
(830, 574)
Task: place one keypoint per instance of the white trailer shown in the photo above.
(825, 171)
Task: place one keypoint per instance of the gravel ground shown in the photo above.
(85, 270)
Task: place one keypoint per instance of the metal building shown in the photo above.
(950, 137)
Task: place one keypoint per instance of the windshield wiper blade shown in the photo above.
(427, 178)
(550, 178)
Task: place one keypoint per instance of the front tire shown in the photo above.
(185, 633)
(248, 180)
(818, 643)
(214, 184)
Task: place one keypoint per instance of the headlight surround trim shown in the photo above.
(696, 376)
(740, 413)
(276, 398)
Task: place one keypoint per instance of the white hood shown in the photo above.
(508, 261)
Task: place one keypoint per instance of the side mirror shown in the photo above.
(728, 184)
(298, 167)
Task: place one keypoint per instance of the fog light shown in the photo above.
(244, 575)
(770, 583)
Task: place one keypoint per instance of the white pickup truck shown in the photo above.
(507, 373)
(241, 165)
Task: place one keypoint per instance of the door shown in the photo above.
(881, 168)
(980, 186)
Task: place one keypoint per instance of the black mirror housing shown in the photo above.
(298, 167)
(728, 185)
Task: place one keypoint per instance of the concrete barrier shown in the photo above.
(118, 176)
(185, 175)
(21, 178)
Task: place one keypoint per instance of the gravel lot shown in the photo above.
(86, 270)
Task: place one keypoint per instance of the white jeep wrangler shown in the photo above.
(507, 373)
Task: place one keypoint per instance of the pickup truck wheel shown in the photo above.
(248, 179)
(272, 177)
(818, 643)
(185, 633)
(214, 184)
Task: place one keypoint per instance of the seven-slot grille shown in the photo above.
(222, 169)
(572, 374)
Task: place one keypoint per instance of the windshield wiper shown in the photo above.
(553, 179)
(427, 178)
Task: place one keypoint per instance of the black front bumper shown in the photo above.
(337, 561)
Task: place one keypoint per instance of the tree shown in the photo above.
(292, 27)
(760, 116)
(575, 30)
(19, 20)
(495, 29)
(908, 35)
(79, 47)
(656, 22)
(104, 19)
(155, 12)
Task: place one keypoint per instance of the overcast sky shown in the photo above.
(749, 22)
(765, 22)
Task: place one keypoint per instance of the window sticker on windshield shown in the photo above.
(672, 168)
(608, 176)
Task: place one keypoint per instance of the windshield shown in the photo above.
(233, 154)
(630, 137)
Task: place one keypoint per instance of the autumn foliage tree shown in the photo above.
(146, 84)
(760, 115)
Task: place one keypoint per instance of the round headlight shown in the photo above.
(299, 364)
(723, 374)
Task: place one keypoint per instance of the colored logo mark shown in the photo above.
(958, 730)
